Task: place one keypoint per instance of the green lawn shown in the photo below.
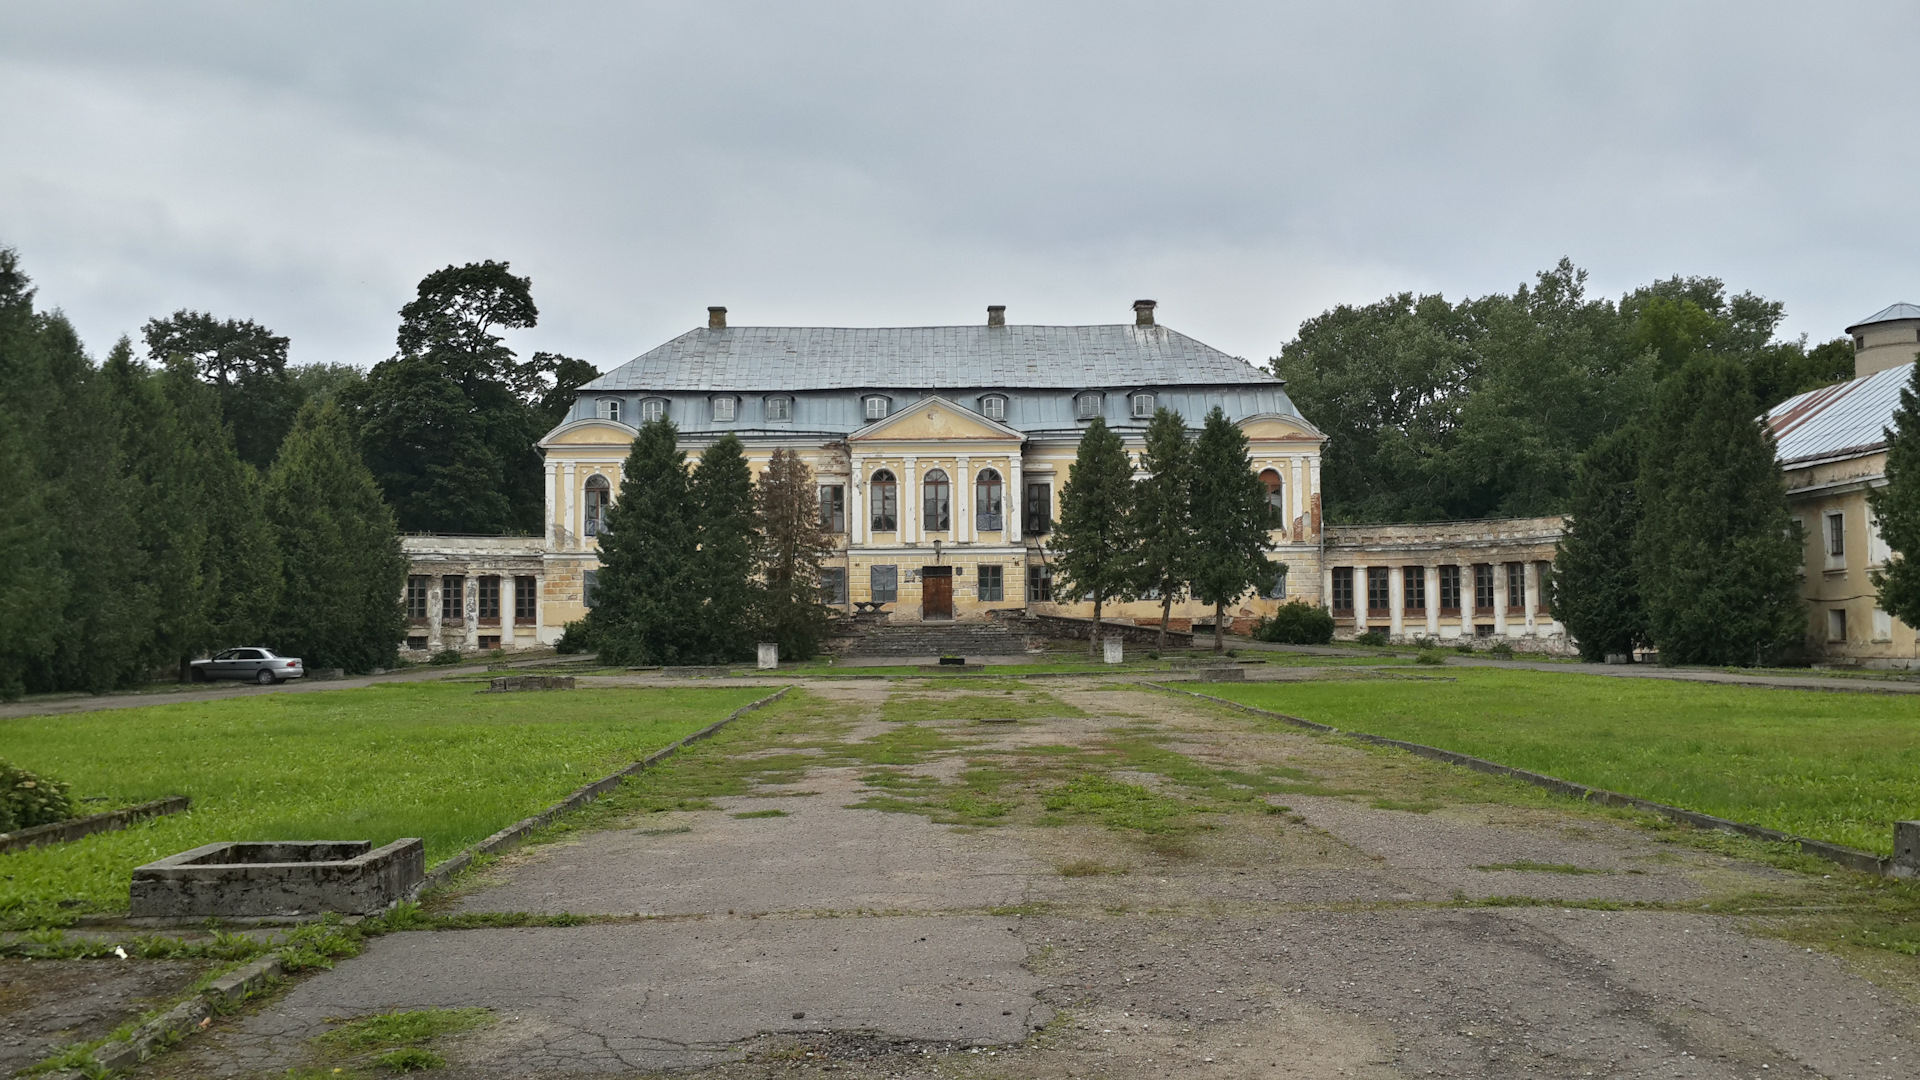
(1834, 766)
(434, 760)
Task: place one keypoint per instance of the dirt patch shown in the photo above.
(48, 1004)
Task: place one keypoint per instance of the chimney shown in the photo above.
(717, 318)
(996, 314)
(1143, 312)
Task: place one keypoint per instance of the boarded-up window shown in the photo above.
(884, 582)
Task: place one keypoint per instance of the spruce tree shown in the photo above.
(646, 605)
(33, 582)
(1897, 508)
(1596, 590)
(791, 546)
(343, 567)
(1716, 554)
(1093, 544)
(722, 494)
(1232, 522)
(1163, 513)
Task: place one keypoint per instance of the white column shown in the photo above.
(553, 498)
(963, 504)
(856, 516)
(1313, 477)
(509, 588)
(570, 527)
(539, 608)
(1296, 493)
(1016, 495)
(1500, 599)
(433, 612)
(1433, 601)
(1532, 572)
(472, 602)
(1396, 600)
(1326, 585)
(1359, 598)
(909, 503)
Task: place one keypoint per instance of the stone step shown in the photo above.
(936, 639)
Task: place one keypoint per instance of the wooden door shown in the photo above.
(936, 592)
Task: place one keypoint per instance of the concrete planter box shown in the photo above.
(279, 879)
(511, 683)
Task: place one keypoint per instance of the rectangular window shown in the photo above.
(1040, 583)
(1836, 535)
(1377, 589)
(1343, 589)
(1413, 588)
(526, 600)
(884, 584)
(653, 409)
(590, 588)
(993, 408)
(723, 410)
(417, 587)
(1279, 590)
(418, 642)
(489, 641)
(453, 600)
(1450, 590)
(1516, 588)
(833, 585)
(876, 408)
(1543, 588)
(779, 408)
(489, 597)
(1143, 406)
(1482, 587)
(610, 409)
(1037, 513)
(1837, 625)
(993, 583)
(1087, 406)
(833, 507)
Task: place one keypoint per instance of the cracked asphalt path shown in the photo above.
(1312, 933)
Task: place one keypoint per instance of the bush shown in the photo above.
(573, 638)
(1502, 650)
(1429, 655)
(445, 657)
(27, 800)
(1371, 637)
(1296, 622)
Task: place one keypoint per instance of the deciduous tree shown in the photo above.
(245, 363)
(1093, 542)
(791, 545)
(1232, 522)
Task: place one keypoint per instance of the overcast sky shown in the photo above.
(1247, 165)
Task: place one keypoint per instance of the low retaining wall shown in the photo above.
(59, 832)
(512, 835)
(1866, 862)
(1068, 627)
(511, 683)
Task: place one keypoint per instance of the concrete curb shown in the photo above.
(1864, 862)
(180, 1021)
(60, 832)
(512, 835)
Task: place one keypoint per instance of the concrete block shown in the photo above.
(1906, 849)
(511, 683)
(279, 879)
(1222, 674)
(1115, 650)
(769, 655)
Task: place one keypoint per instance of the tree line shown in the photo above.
(700, 563)
(1196, 523)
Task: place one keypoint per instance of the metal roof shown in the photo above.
(763, 358)
(1843, 420)
(1890, 313)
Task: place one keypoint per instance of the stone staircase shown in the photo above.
(934, 639)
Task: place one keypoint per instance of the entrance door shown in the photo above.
(936, 592)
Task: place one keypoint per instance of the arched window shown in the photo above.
(885, 502)
(599, 497)
(1143, 405)
(652, 409)
(937, 501)
(986, 501)
(1276, 493)
(1088, 405)
(994, 407)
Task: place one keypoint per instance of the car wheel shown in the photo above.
(265, 678)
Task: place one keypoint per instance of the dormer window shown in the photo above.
(993, 407)
(1143, 404)
(1087, 405)
(878, 406)
(779, 407)
(608, 409)
(652, 409)
(723, 410)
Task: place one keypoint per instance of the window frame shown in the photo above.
(608, 409)
(833, 586)
(526, 600)
(453, 598)
(486, 592)
(1089, 405)
(782, 404)
(1836, 538)
(936, 501)
(1451, 583)
(1483, 586)
(994, 407)
(732, 409)
(1342, 598)
(868, 403)
(1516, 602)
(593, 510)
(1279, 590)
(889, 592)
(419, 588)
(1039, 583)
(1413, 586)
(652, 408)
(1380, 587)
(989, 501)
(991, 583)
(833, 507)
(589, 588)
(1276, 494)
(1036, 509)
(1133, 404)
(883, 501)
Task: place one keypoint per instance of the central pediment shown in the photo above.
(935, 419)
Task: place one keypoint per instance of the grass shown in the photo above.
(403, 1028)
(1835, 767)
(1007, 704)
(440, 762)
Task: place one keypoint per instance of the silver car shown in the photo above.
(259, 665)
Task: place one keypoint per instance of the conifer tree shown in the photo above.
(1717, 555)
(1163, 512)
(1897, 508)
(33, 583)
(343, 567)
(722, 493)
(1596, 590)
(646, 600)
(1093, 543)
(1232, 522)
(791, 545)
